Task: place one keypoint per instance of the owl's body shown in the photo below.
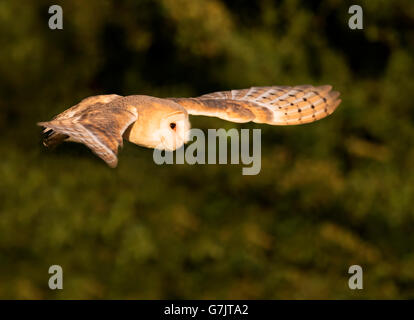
(101, 122)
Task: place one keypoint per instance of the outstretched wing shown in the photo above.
(276, 105)
(98, 122)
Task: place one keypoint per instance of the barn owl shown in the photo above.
(101, 122)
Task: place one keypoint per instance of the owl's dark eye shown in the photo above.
(172, 125)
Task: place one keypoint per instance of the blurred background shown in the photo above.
(329, 195)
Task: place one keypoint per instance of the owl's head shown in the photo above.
(161, 124)
(174, 131)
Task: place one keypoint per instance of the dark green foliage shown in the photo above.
(330, 194)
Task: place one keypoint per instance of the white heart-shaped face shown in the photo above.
(174, 131)
(161, 124)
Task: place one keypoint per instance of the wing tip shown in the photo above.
(334, 95)
(112, 163)
(324, 88)
(42, 123)
(335, 105)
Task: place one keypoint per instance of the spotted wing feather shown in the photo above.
(276, 105)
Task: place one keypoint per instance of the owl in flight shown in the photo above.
(101, 122)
